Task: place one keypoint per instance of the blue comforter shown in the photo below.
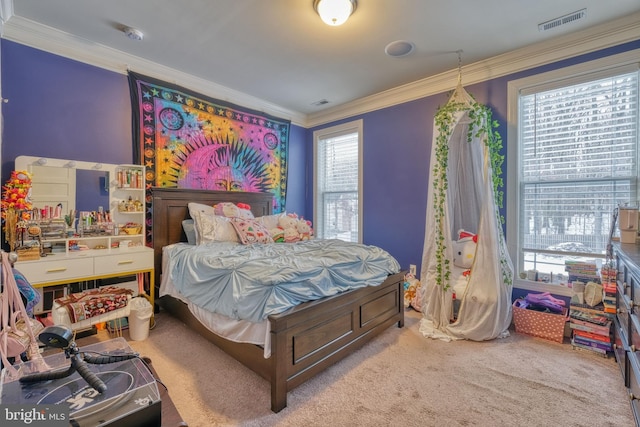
(251, 282)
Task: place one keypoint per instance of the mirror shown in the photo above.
(75, 185)
(92, 190)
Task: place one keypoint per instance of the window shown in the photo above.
(338, 182)
(575, 162)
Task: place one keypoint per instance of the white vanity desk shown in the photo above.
(53, 182)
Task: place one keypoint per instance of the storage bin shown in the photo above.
(549, 326)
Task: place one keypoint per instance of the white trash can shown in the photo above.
(139, 316)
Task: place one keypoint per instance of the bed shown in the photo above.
(304, 340)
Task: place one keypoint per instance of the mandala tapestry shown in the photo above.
(188, 140)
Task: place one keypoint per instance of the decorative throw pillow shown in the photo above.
(251, 231)
(213, 228)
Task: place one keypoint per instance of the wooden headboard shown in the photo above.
(170, 207)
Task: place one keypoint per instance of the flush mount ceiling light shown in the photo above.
(133, 33)
(334, 12)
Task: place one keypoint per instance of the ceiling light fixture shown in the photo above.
(334, 12)
(133, 33)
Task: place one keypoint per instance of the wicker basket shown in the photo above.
(548, 326)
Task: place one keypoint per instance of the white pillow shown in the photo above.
(213, 228)
(270, 221)
(194, 209)
(199, 207)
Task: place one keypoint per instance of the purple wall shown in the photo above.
(61, 108)
(397, 146)
(65, 109)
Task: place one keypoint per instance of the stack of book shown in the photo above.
(591, 328)
(608, 275)
(582, 271)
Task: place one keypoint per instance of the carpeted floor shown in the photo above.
(400, 378)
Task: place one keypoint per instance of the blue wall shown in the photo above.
(65, 109)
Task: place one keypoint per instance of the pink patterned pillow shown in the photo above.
(251, 231)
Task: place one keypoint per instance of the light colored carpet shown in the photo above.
(400, 378)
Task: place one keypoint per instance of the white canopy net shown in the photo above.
(462, 197)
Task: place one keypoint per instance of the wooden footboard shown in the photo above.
(315, 335)
(312, 336)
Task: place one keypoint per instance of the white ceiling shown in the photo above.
(280, 52)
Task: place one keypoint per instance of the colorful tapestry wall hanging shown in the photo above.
(188, 140)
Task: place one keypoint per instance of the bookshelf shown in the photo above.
(626, 323)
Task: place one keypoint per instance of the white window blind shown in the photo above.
(578, 162)
(337, 186)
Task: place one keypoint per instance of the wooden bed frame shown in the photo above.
(304, 340)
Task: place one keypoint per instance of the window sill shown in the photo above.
(554, 288)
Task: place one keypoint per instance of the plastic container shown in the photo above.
(139, 317)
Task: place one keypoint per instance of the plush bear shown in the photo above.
(464, 249)
(231, 210)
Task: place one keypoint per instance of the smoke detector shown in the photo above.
(133, 33)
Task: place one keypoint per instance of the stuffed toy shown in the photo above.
(304, 229)
(288, 225)
(464, 250)
(291, 235)
(412, 292)
(277, 234)
(231, 210)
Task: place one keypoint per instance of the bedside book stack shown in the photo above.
(608, 275)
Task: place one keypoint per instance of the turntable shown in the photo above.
(129, 397)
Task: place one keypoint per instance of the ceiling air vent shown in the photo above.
(319, 103)
(563, 20)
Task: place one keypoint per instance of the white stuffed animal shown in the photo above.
(464, 249)
(288, 224)
(304, 229)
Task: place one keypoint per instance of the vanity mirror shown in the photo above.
(75, 200)
(75, 185)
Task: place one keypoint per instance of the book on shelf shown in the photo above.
(586, 347)
(590, 327)
(592, 343)
(592, 336)
(597, 318)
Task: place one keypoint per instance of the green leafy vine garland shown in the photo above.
(484, 127)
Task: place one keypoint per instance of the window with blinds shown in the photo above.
(577, 163)
(338, 183)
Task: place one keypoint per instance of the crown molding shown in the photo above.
(48, 39)
(567, 46)
(42, 37)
